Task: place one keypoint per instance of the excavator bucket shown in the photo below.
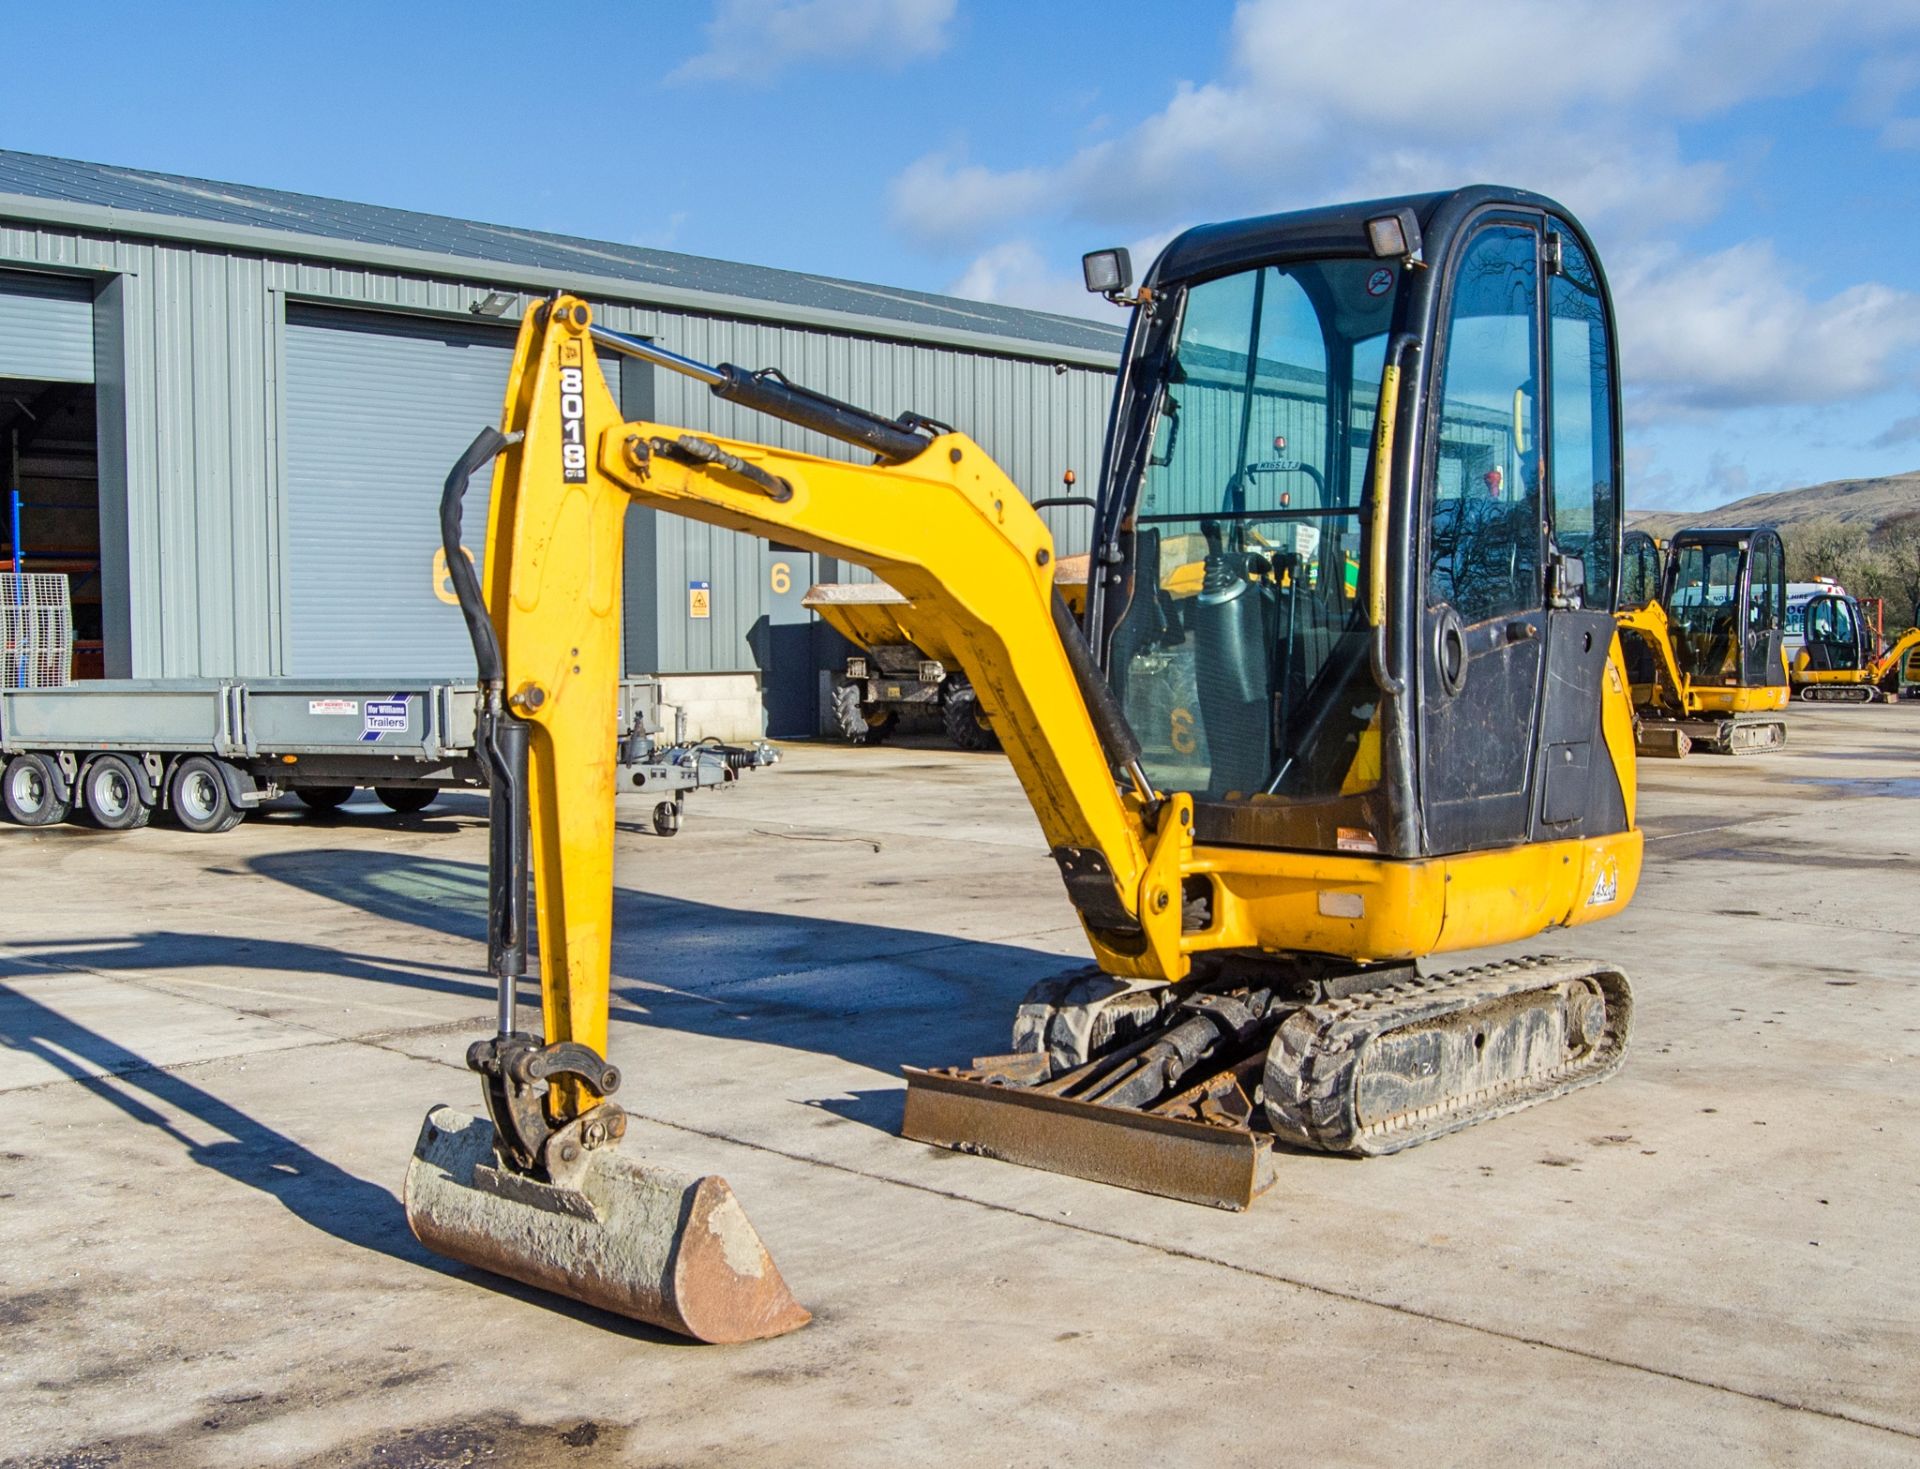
(670, 1249)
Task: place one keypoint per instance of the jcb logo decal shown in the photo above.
(573, 416)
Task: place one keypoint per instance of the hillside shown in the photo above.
(1862, 502)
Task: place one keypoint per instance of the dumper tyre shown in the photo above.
(111, 790)
(323, 798)
(199, 799)
(406, 799)
(861, 726)
(966, 725)
(33, 791)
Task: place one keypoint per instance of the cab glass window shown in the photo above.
(1483, 533)
(1239, 653)
(1580, 463)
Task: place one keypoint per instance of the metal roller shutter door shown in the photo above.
(46, 327)
(378, 408)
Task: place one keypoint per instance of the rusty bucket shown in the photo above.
(672, 1249)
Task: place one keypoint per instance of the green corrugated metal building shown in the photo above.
(229, 409)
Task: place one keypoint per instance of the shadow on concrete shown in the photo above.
(161, 950)
(313, 1190)
(249, 1152)
(878, 997)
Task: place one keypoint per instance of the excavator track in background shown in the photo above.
(1743, 734)
(1839, 693)
(1190, 1094)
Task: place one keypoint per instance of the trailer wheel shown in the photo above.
(966, 727)
(32, 793)
(199, 799)
(666, 818)
(112, 793)
(323, 798)
(406, 799)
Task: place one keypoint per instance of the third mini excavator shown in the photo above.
(1358, 521)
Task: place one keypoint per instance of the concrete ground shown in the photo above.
(217, 1052)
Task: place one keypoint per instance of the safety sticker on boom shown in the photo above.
(573, 416)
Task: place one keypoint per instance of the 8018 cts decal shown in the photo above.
(573, 424)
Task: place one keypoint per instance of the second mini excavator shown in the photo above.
(1359, 517)
(1702, 622)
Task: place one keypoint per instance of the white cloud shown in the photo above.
(1732, 330)
(750, 40)
(940, 199)
(1579, 98)
(1017, 274)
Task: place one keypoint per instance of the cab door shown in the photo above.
(1763, 661)
(1578, 793)
(1484, 616)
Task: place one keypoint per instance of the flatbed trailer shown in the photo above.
(207, 751)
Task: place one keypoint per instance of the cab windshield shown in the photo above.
(1240, 650)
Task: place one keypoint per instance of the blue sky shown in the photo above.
(1748, 167)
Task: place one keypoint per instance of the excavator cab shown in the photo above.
(1727, 604)
(1835, 634)
(1284, 614)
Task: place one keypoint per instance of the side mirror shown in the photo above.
(1568, 577)
(1108, 273)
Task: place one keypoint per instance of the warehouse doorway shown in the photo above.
(50, 458)
(49, 444)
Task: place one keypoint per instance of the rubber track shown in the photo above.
(1728, 742)
(1310, 1095)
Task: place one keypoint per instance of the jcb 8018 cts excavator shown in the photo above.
(1359, 514)
(1702, 624)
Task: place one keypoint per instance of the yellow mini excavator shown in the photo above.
(1702, 622)
(1359, 517)
(1839, 661)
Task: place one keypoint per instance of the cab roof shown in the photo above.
(1338, 229)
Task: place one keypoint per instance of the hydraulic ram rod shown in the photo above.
(768, 392)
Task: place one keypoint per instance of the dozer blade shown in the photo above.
(671, 1249)
(1393, 1067)
(1225, 1166)
(1662, 741)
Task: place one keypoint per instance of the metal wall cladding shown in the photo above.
(199, 530)
(46, 327)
